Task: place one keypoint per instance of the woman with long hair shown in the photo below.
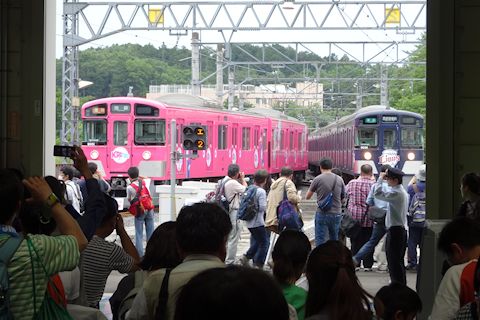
(334, 290)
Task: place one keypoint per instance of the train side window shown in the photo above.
(222, 137)
(150, 132)
(245, 138)
(264, 140)
(389, 138)
(255, 137)
(120, 133)
(282, 141)
(234, 136)
(367, 137)
(94, 132)
(291, 140)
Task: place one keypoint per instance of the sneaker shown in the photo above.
(411, 267)
(357, 268)
(244, 260)
(382, 268)
(367, 269)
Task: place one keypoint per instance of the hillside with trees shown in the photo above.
(114, 69)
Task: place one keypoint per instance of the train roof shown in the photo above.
(201, 103)
(369, 111)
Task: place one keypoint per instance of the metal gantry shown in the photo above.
(224, 21)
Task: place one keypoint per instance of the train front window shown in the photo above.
(389, 138)
(94, 132)
(366, 137)
(412, 137)
(150, 132)
(120, 133)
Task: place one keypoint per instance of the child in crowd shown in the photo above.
(397, 302)
(289, 257)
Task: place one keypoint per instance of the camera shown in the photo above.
(63, 151)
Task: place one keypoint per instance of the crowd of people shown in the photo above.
(56, 259)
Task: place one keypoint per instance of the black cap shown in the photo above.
(394, 173)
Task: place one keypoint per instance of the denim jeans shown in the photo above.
(369, 247)
(259, 242)
(326, 222)
(358, 242)
(415, 236)
(233, 237)
(147, 219)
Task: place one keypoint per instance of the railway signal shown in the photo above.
(194, 137)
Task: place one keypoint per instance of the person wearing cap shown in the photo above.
(395, 221)
(416, 218)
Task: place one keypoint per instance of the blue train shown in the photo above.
(374, 135)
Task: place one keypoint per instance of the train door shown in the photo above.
(180, 164)
(209, 158)
(120, 135)
(256, 147)
(234, 145)
(389, 139)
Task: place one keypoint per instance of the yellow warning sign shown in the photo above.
(155, 16)
(392, 15)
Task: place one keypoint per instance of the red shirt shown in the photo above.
(357, 192)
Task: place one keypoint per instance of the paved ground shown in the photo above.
(371, 281)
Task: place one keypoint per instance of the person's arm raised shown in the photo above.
(42, 193)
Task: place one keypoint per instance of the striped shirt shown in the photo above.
(56, 253)
(357, 191)
(98, 260)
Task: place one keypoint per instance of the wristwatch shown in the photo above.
(52, 200)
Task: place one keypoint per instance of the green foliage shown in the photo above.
(114, 69)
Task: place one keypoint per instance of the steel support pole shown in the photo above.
(173, 171)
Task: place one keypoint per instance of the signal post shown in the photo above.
(194, 138)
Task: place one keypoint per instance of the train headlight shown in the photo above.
(411, 156)
(367, 156)
(94, 154)
(146, 155)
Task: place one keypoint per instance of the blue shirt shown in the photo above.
(397, 199)
(261, 201)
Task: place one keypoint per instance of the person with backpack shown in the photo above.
(330, 190)
(28, 261)
(161, 252)
(416, 216)
(73, 193)
(141, 206)
(252, 210)
(279, 188)
(234, 186)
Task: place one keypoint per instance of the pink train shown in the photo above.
(121, 132)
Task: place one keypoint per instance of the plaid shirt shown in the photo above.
(357, 192)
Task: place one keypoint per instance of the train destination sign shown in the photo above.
(370, 120)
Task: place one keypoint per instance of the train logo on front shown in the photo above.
(390, 157)
(120, 155)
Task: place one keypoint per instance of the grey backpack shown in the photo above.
(7, 250)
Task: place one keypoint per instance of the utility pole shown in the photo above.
(219, 86)
(196, 86)
(384, 85)
(231, 87)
